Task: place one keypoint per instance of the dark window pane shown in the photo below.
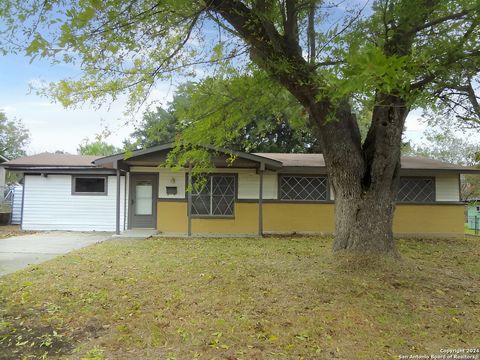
(305, 188)
(223, 195)
(416, 189)
(216, 197)
(90, 185)
(201, 205)
(201, 197)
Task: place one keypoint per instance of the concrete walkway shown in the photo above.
(18, 252)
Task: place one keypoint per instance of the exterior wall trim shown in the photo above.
(275, 201)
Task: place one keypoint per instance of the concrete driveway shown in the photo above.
(18, 252)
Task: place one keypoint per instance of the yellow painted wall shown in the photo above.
(301, 217)
(429, 219)
(172, 217)
(245, 222)
(290, 217)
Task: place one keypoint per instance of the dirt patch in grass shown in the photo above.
(7, 231)
(273, 298)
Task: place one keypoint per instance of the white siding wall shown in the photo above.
(249, 185)
(50, 205)
(447, 187)
(171, 178)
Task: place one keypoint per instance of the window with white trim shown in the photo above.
(89, 185)
(416, 189)
(303, 188)
(215, 198)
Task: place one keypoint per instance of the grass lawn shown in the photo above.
(273, 298)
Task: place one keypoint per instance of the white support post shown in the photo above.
(117, 223)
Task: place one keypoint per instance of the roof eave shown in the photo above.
(256, 158)
(60, 169)
(459, 170)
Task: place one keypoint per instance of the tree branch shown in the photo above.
(456, 16)
(291, 25)
(312, 52)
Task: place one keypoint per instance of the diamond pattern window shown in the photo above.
(216, 198)
(304, 188)
(416, 189)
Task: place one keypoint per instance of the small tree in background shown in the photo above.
(14, 138)
(97, 147)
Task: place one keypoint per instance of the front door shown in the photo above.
(143, 196)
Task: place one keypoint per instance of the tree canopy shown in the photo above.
(424, 51)
(275, 124)
(97, 147)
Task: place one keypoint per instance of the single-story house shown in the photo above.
(257, 193)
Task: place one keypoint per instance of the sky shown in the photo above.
(51, 126)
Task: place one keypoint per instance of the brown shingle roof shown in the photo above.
(49, 159)
(408, 162)
(287, 159)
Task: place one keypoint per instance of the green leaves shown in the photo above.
(85, 16)
(37, 45)
(369, 70)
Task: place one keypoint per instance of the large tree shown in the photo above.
(389, 57)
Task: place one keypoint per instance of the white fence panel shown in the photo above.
(17, 205)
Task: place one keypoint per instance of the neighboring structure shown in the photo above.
(16, 217)
(3, 159)
(257, 193)
(473, 214)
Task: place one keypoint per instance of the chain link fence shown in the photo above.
(474, 224)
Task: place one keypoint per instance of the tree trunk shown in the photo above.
(364, 178)
(363, 220)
